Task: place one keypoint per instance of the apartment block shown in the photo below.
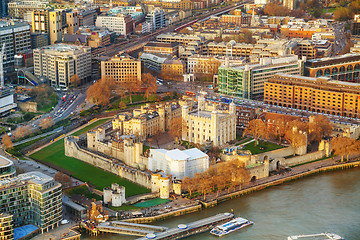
(247, 81)
(16, 36)
(122, 69)
(59, 62)
(156, 17)
(321, 94)
(6, 227)
(32, 198)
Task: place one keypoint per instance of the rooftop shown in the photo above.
(5, 161)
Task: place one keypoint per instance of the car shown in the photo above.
(64, 221)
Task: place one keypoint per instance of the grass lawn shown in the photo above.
(124, 207)
(263, 146)
(82, 190)
(54, 154)
(152, 202)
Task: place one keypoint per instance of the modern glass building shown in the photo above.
(32, 198)
(247, 81)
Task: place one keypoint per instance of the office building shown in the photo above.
(290, 4)
(343, 68)
(59, 62)
(178, 163)
(86, 17)
(171, 49)
(179, 38)
(18, 9)
(157, 18)
(247, 81)
(173, 69)
(16, 36)
(39, 40)
(208, 125)
(6, 101)
(4, 8)
(120, 23)
(321, 94)
(122, 69)
(32, 198)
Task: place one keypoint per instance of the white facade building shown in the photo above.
(119, 23)
(60, 62)
(157, 18)
(178, 163)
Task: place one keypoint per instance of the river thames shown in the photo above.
(327, 202)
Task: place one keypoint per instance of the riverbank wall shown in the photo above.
(259, 187)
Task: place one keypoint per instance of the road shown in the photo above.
(39, 136)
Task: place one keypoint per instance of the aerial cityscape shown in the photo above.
(171, 119)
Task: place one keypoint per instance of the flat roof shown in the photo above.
(4, 162)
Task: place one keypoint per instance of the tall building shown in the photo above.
(119, 23)
(60, 62)
(6, 227)
(18, 9)
(4, 8)
(122, 69)
(178, 163)
(72, 22)
(247, 81)
(321, 94)
(157, 18)
(48, 21)
(86, 17)
(16, 36)
(343, 68)
(32, 198)
(207, 124)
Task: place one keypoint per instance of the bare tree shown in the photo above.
(99, 93)
(319, 127)
(75, 80)
(64, 179)
(148, 81)
(342, 146)
(47, 122)
(256, 128)
(295, 138)
(6, 142)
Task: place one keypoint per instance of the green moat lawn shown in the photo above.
(263, 146)
(54, 154)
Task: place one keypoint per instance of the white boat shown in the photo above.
(230, 226)
(320, 236)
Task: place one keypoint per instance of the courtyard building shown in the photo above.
(321, 94)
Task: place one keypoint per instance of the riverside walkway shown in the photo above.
(186, 230)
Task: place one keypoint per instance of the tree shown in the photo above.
(19, 132)
(319, 127)
(296, 138)
(148, 81)
(279, 128)
(189, 185)
(256, 128)
(273, 9)
(122, 105)
(64, 179)
(175, 128)
(342, 14)
(75, 80)
(47, 122)
(6, 142)
(342, 146)
(99, 93)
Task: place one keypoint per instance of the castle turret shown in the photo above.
(201, 103)
(161, 111)
(232, 108)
